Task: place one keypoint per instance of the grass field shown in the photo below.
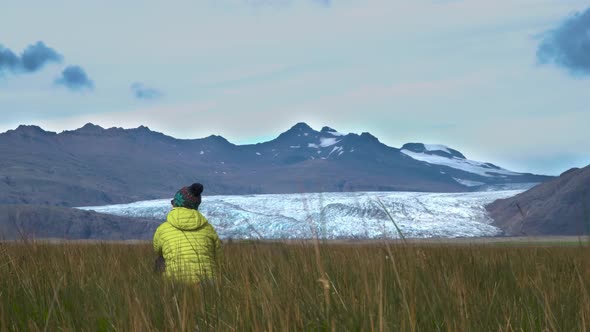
(299, 286)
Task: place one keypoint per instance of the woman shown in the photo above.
(189, 244)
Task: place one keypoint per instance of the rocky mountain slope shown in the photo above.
(557, 207)
(29, 222)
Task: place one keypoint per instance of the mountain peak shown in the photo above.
(300, 126)
(298, 131)
(369, 136)
(219, 139)
(143, 130)
(90, 128)
(31, 130)
(331, 131)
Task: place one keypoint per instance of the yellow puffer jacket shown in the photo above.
(189, 244)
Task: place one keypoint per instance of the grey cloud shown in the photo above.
(33, 58)
(140, 91)
(75, 78)
(8, 60)
(568, 45)
(37, 55)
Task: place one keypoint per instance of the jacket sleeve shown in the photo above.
(157, 242)
(218, 249)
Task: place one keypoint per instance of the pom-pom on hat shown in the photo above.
(188, 197)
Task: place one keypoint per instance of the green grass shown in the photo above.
(277, 286)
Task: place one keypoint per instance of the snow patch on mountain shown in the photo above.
(355, 215)
(335, 149)
(437, 147)
(335, 133)
(471, 166)
(468, 183)
(328, 141)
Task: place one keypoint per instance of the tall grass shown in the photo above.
(299, 286)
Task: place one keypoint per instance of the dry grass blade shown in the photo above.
(53, 302)
(399, 231)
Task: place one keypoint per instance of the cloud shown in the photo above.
(36, 56)
(33, 58)
(140, 91)
(75, 78)
(8, 60)
(568, 45)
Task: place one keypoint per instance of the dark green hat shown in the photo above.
(188, 197)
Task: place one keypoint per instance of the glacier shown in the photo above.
(350, 215)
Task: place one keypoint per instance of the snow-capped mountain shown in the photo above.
(441, 155)
(356, 215)
(445, 156)
(93, 165)
(302, 143)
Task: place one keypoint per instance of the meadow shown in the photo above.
(298, 286)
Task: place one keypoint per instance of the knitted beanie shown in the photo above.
(188, 197)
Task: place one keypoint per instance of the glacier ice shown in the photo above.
(352, 215)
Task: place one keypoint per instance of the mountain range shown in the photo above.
(95, 166)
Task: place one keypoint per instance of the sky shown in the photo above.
(502, 81)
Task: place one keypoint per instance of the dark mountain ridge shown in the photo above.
(93, 165)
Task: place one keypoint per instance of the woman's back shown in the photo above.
(189, 244)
